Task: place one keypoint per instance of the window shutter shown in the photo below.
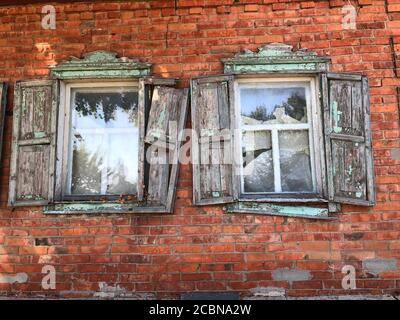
(33, 143)
(212, 101)
(3, 104)
(164, 116)
(348, 139)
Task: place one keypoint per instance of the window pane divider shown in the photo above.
(109, 131)
(276, 160)
(259, 127)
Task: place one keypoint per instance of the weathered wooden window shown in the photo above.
(101, 118)
(102, 137)
(278, 128)
(278, 121)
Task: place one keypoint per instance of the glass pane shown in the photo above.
(295, 161)
(122, 166)
(104, 137)
(273, 105)
(258, 169)
(86, 164)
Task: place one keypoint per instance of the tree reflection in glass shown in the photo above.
(104, 140)
(275, 138)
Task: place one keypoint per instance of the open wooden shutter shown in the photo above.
(165, 110)
(212, 101)
(348, 139)
(33, 143)
(3, 104)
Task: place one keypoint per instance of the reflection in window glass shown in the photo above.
(258, 170)
(275, 137)
(273, 105)
(104, 122)
(295, 161)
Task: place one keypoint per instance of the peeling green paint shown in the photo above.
(336, 114)
(100, 64)
(275, 57)
(98, 207)
(350, 170)
(275, 209)
(30, 197)
(358, 194)
(258, 68)
(216, 194)
(40, 135)
(161, 117)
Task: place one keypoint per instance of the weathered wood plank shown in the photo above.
(32, 169)
(159, 104)
(3, 104)
(146, 86)
(348, 139)
(143, 105)
(163, 110)
(212, 146)
(159, 81)
(100, 207)
(182, 114)
(279, 210)
(368, 142)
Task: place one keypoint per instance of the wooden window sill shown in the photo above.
(101, 208)
(300, 211)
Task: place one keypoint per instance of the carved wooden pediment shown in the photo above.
(100, 64)
(275, 57)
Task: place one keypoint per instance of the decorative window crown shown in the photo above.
(100, 64)
(275, 57)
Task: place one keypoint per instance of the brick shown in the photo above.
(250, 7)
(202, 248)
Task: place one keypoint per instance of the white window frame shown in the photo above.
(314, 125)
(63, 165)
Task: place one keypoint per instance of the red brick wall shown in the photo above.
(201, 248)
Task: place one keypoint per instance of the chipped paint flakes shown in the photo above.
(268, 292)
(107, 291)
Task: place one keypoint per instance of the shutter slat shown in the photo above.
(212, 143)
(32, 169)
(348, 139)
(164, 111)
(146, 88)
(3, 104)
(181, 116)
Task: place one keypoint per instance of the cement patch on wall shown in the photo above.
(290, 275)
(377, 265)
(14, 278)
(117, 292)
(395, 154)
(268, 292)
